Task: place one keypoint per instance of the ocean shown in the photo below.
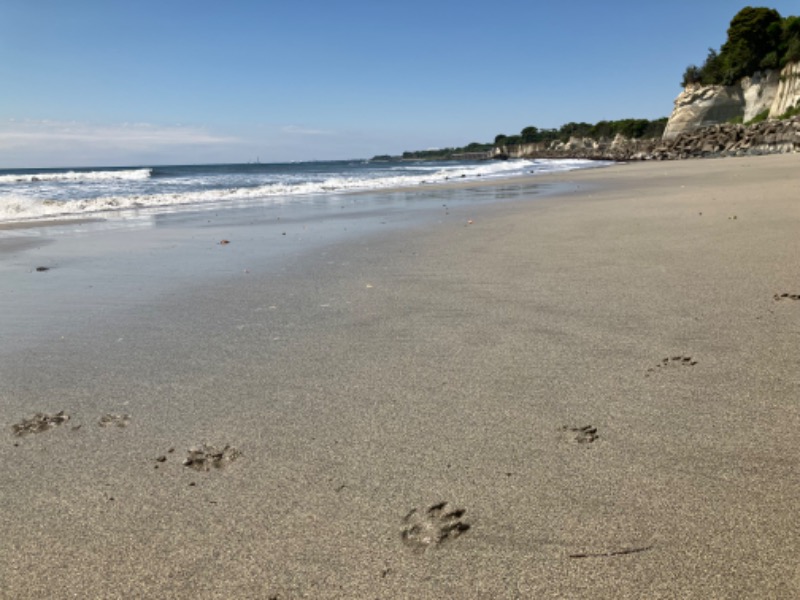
(142, 191)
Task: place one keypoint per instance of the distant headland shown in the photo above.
(744, 99)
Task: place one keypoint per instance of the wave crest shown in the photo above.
(77, 176)
(282, 188)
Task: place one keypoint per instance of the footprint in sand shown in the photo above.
(205, 457)
(786, 296)
(583, 435)
(109, 419)
(39, 422)
(428, 527)
(672, 361)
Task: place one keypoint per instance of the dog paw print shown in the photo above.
(424, 528)
(39, 422)
(205, 457)
(109, 420)
(583, 435)
(672, 361)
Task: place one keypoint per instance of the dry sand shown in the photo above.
(603, 386)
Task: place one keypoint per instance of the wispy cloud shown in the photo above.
(61, 143)
(300, 130)
(75, 143)
(14, 133)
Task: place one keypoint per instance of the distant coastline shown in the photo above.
(751, 79)
(715, 141)
(536, 140)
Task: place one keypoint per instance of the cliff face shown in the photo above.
(620, 148)
(759, 93)
(788, 93)
(701, 106)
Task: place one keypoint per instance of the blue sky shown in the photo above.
(172, 81)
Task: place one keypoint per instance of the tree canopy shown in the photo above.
(758, 38)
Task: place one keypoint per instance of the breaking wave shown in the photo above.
(30, 196)
(77, 176)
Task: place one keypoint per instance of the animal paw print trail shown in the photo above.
(424, 528)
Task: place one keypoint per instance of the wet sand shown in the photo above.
(590, 394)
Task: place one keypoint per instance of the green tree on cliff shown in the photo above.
(753, 40)
(790, 40)
(530, 135)
(758, 38)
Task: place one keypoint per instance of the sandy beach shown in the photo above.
(593, 392)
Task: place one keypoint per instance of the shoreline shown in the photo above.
(505, 358)
(44, 223)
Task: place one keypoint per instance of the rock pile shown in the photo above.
(767, 137)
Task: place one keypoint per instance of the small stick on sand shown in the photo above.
(609, 554)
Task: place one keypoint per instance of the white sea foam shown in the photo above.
(77, 176)
(156, 195)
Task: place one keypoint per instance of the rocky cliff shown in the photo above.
(618, 148)
(728, 139)
(723, 139)
(701, 106)
(788, 94)
(700, 125)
